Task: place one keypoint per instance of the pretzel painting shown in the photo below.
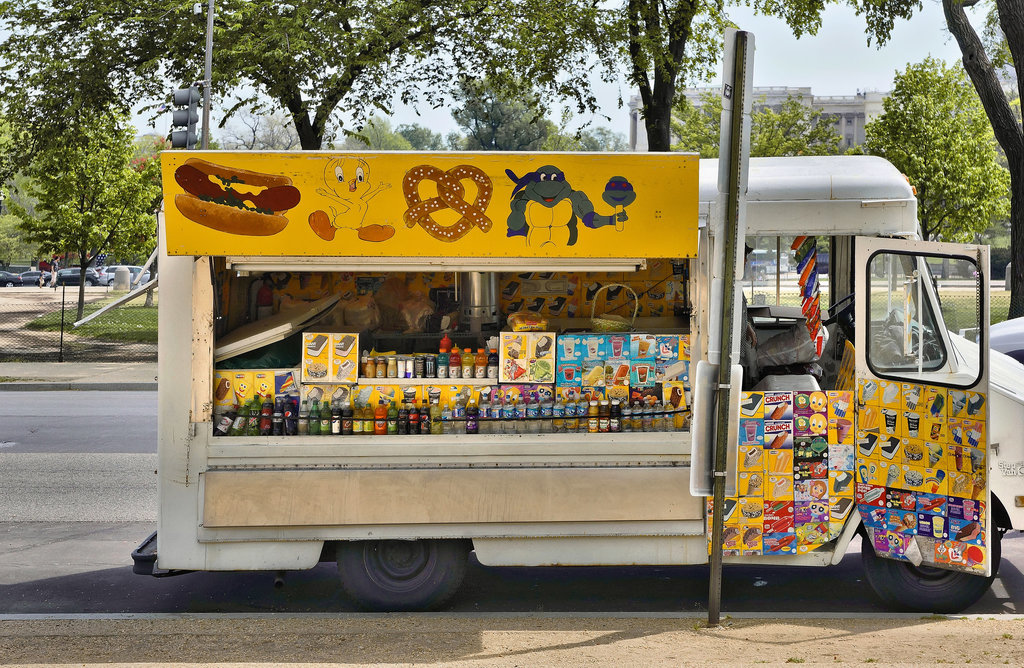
(451, 194)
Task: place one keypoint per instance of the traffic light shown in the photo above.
(185, 115)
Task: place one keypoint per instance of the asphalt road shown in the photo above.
(73, 506)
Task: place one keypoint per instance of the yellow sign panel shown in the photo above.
(632, 205)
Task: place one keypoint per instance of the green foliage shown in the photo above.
(495, 121)
(378, 136)
(13, 245)
(312, 58)
(421, 138)
(793, 129)
(91, 196)
(595, 140)
(934, 130)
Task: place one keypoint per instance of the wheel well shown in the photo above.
(1000, 517)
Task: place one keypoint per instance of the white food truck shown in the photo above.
(346, 279)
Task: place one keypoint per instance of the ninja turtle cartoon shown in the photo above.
(546, 210)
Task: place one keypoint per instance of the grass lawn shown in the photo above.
(130, 322)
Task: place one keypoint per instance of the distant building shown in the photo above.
(850, 113)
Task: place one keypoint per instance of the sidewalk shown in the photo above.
(25, 376)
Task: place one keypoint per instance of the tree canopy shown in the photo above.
(91, 197)
(934, 130)
(793, 129)
(495, 121)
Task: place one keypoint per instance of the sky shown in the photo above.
(836, 61)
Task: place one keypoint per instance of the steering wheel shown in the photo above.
(842, 313)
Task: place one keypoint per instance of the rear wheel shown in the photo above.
(386, 575)
(902, 586)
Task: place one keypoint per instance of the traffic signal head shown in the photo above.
(184, 118)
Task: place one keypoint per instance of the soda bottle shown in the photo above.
(604, 416)
(492, 364)
(392, 419)
(357, 420)
(615, 419)
(380, 420)
(520, 424)
(335, 420)
(583, 411)
(241, 419)
(558, 417)
(455, 364)
(266, 418)
(277, 428)
(572, 423)
(425, 424)
(481, 363)
(593, 421)
(303, 418)
(448, 427)
(314, 418)
(222, 426)
(252, 425)
(468, 364)
(291, 415)
(472, 419)
(347, 423)
(495, 416)
(485, 415)
(403, 419)
(436, 426)
(414, 419)
(547, 411)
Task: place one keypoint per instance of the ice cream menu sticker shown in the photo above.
(796, 472)
(921, 471)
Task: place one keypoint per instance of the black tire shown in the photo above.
(10, 284)
(905, 587)
(402, 575)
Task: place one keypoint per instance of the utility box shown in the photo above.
(122, 278)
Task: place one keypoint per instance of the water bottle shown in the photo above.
(520, 417)
(446, 419)
(533, 415)
(508, 416)
(485, 415)
(547, 413)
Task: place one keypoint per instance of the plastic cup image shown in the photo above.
(644, 347)
(569, 346)
(890, 420)
(913, 422)
(891, 392)
(641, 373)
(593, 347)
(843, 428)
(751, 430)
(616, 346)
(569, 373)
(975, 403)
(938, 526)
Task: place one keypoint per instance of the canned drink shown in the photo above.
(419, 366)
(430, 366)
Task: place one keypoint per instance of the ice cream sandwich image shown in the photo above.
(344, 346)
(840, 507)
(749, 407)
(315, 346)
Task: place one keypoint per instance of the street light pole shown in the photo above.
(208, 76)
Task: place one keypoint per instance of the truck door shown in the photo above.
(922, 484)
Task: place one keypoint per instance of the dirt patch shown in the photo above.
(521, 641)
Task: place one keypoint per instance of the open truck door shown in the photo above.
(922, 483)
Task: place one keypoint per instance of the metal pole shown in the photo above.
(208, 76)
(63, 292)
(731, 249)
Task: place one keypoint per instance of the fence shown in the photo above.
(37, 325)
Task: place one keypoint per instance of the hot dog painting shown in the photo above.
(233, 200)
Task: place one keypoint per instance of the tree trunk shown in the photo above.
(1017, 239)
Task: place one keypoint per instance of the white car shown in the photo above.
(109, 272)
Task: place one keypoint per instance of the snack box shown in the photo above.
(232, 387)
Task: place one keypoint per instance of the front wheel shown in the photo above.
(902, 586)
(406, 575)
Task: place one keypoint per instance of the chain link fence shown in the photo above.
(37, 325)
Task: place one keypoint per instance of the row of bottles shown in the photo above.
(449, 362)
(530, 416)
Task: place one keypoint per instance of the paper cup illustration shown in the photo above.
(913, 422)
(751, 431)
(890, 420)
(957, 401)
(843, 428)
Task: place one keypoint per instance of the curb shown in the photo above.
(77, 385)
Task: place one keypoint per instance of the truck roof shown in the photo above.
(820, 195)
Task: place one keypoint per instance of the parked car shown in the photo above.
(10, 280)
(1008, 337)
(32, 277)
(109, 274)
(72, 275)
